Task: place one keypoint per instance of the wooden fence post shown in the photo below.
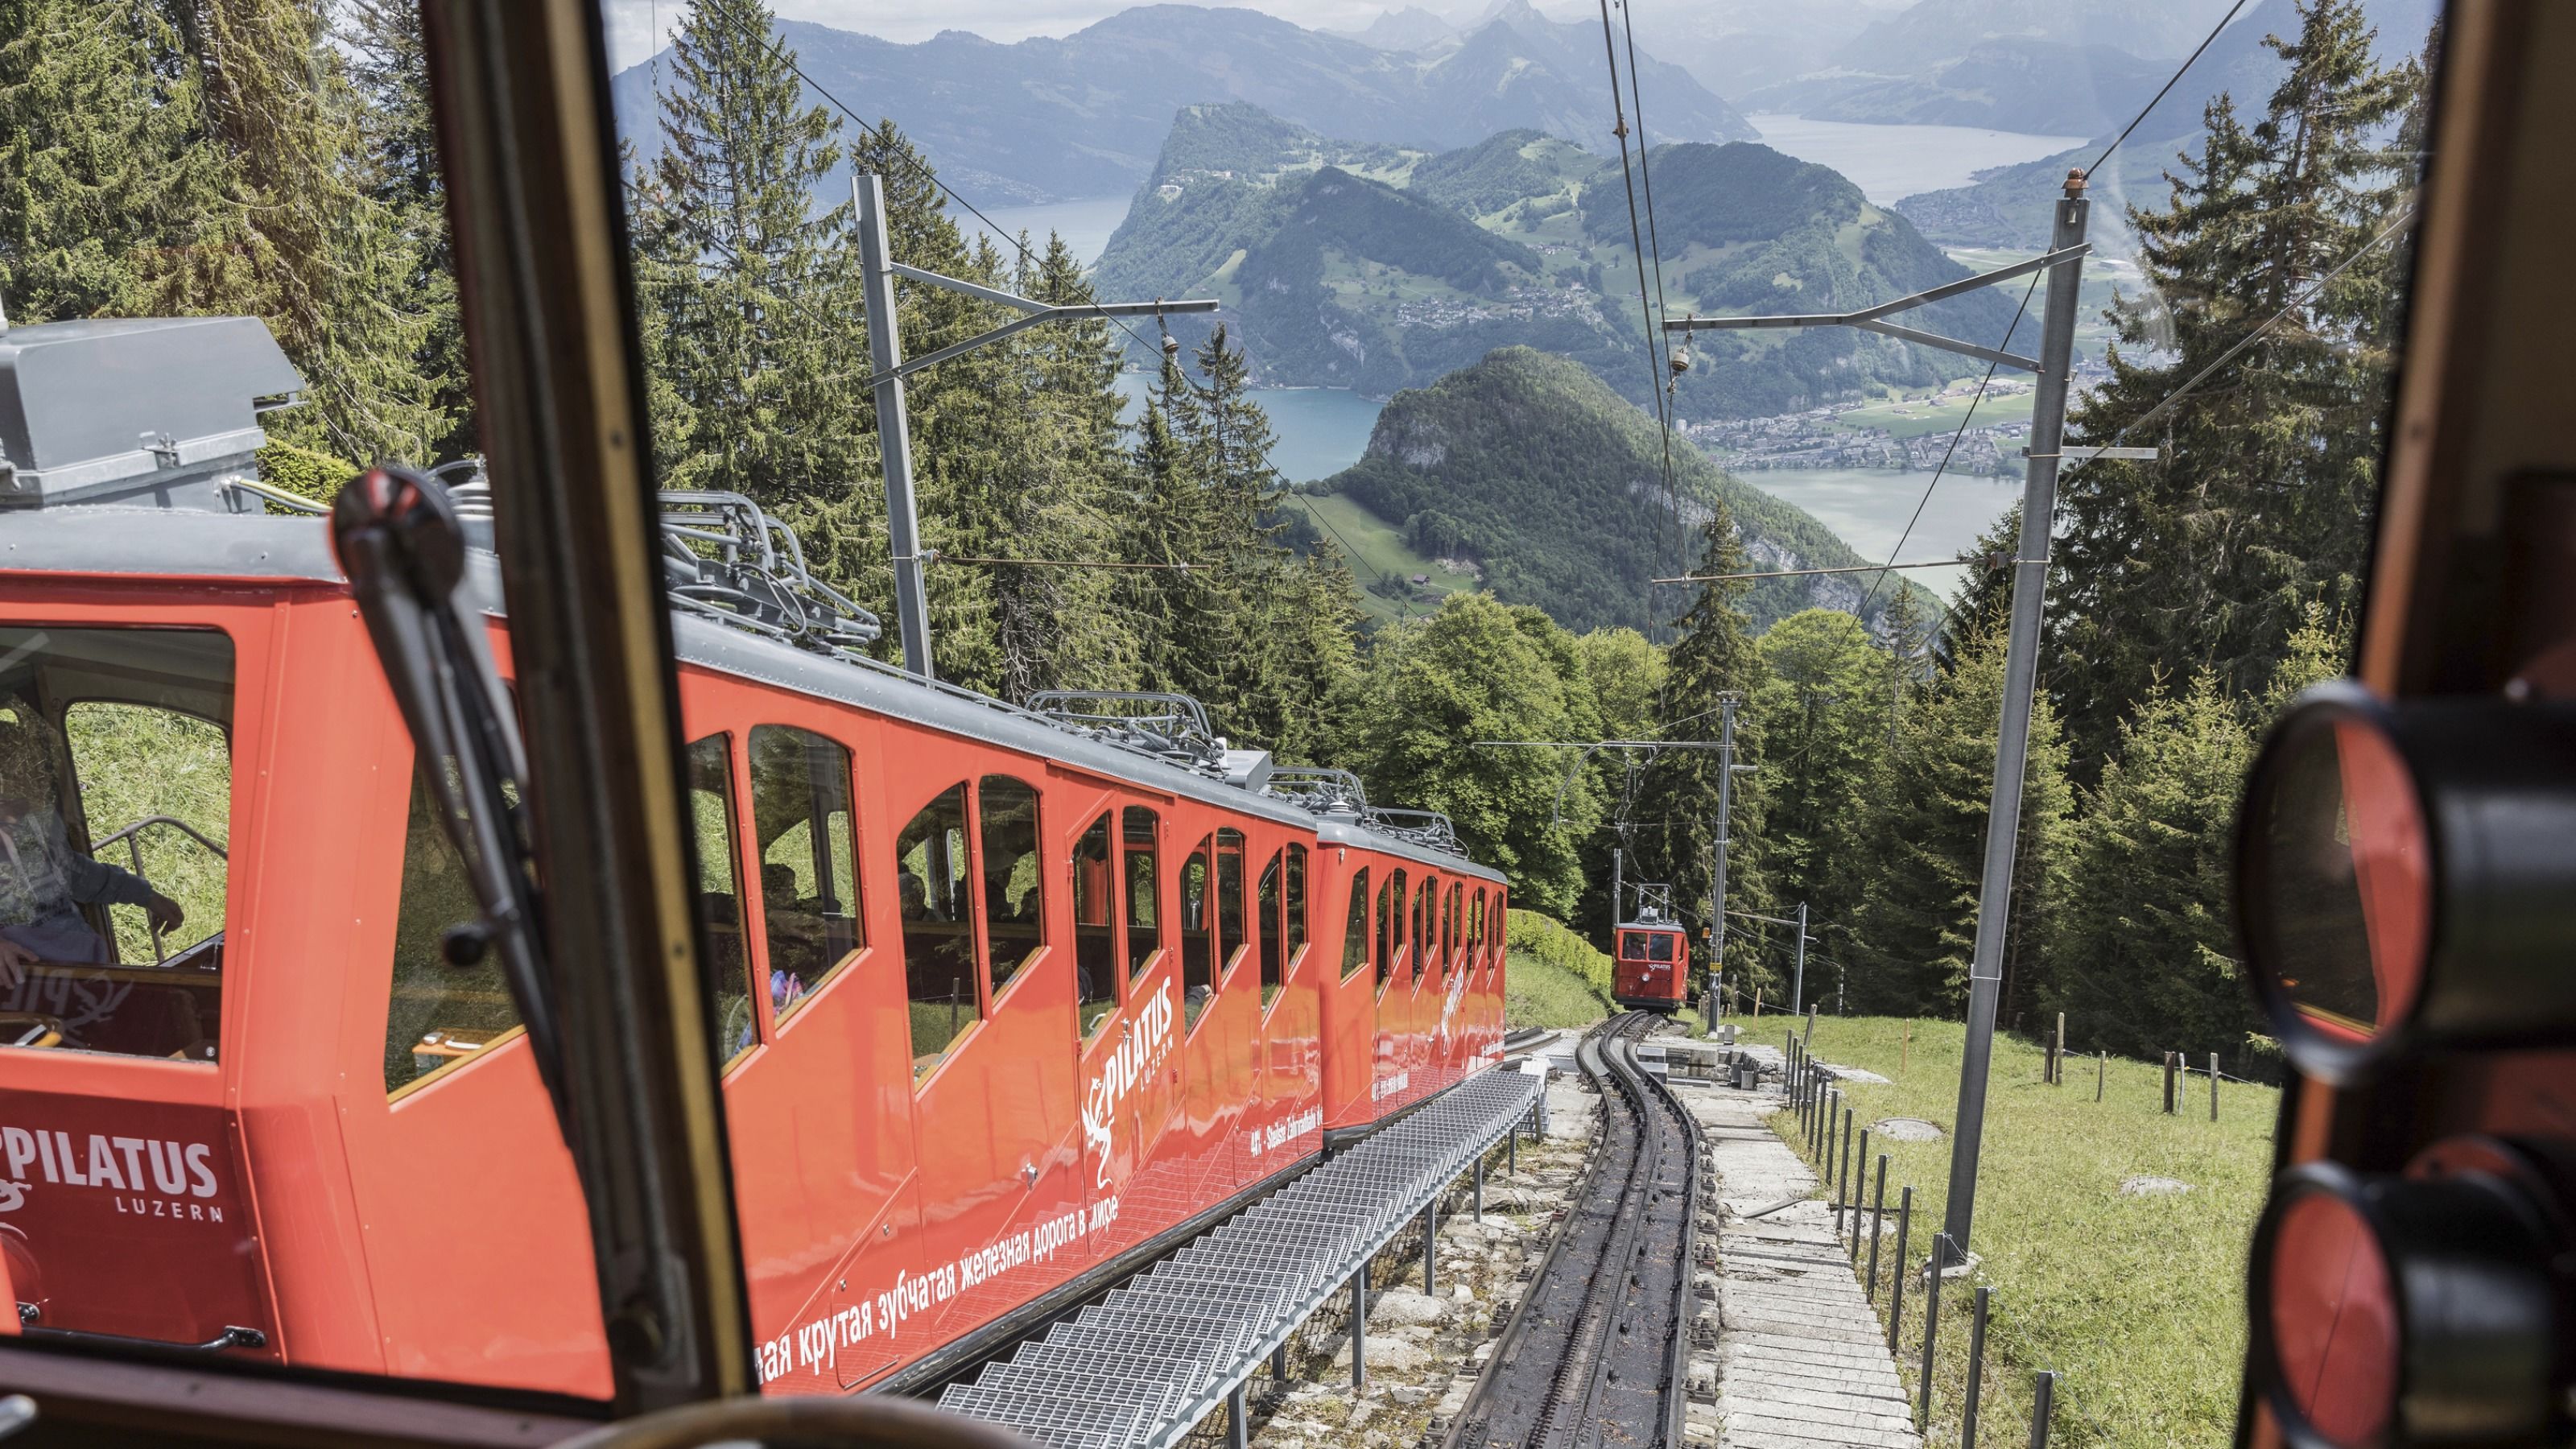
(2169, 1084)
(2057, 1054)
(2101, 1073)
(2213, 1086)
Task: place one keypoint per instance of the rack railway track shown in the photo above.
(1594, 1355)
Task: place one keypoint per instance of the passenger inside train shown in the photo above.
(47, 881)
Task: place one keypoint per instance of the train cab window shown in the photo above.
(1659, 946)
(1198, 975)
(728, 966)
(1270, 928)
(1632, 946)
(1095, 943)
(1014, 891)
(1232, 936)
(1140, 830)
(1390, 926)
(1296, 903)
(809, 890)
(115, 823)
(938, 929)
(442, 1015)
(1355, 934)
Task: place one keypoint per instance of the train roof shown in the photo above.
(144, 542)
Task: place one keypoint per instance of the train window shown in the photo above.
(1659, 946)
(1423, 926)
(1632, 946)
(115, 818)
(1095, 943)
(1452, 925)
(1296, 903)
(1355, 934)
(442, 1015)
(1270, 924)
(1014, 892)
(1144, 888)
(1198, 978)
(809, 890)
(1390, 926)
(728, 966)
(938, 934)
(1231, 935)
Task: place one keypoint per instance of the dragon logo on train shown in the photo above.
(1139, 1053)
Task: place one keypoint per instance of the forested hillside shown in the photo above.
(1526, 465)
(1373, 277)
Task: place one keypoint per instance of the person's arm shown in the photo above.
(95, 882)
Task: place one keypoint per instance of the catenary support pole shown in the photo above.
(894, 433)
(1726, 703)
(2021, 674)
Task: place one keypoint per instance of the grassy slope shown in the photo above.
(1378, 549)
(2138, 1301)
(1538, 994)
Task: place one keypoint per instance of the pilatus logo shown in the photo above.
(151, 1177)
(1140, 1051)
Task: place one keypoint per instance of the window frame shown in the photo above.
(1110, 822)
(774, 1023)
(1364, 934)
(974, 922)
(995, 991)
(1156, 859)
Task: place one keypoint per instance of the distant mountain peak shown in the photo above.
(1411, 29)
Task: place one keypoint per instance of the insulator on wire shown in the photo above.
(1681, 361)
(1171, 344)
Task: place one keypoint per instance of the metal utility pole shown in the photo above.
(2064, 263)
(888, 370)
(1618, 907)
(1726, 704)
(2021, 677)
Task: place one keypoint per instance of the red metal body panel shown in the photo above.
(439, 1230)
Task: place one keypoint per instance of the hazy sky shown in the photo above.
(632, 22)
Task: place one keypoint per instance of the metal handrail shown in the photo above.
(131, 836)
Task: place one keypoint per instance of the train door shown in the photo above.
(1347, 985)
(991, 1012)
(1220, 1008)
(1392, 955)
(1288, 1035)
(134, 761)
(1131, 1024)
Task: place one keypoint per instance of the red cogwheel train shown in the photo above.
(1009, 1000)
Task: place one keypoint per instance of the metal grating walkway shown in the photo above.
(1148, 1362)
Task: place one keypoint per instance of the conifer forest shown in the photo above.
(276, 158)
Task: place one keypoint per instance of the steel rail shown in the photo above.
(1567, 1370)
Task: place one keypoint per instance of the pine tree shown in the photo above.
(1676, 803)
(759, 334)
(1823, 703)
(2144, 957)
(2208, 557)
(399, 162)
(1916, 853)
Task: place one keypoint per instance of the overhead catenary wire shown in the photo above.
(1637, 243)
(1655, 245)
(779, 49)
(2170, 82)
(1948, 453)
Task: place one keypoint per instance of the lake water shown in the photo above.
(1867, 508)
(1085, 225)
(1320, 430)
(1890, 163)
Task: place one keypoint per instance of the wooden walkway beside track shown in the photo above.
(1802, 1359)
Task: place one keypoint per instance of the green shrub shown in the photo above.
(1552, 941)
(303, 472)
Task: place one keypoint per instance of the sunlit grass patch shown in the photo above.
(2137, 1300)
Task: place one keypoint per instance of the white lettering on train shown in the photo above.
(814, 1346)
(178, 1171)
(1139, 1053)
